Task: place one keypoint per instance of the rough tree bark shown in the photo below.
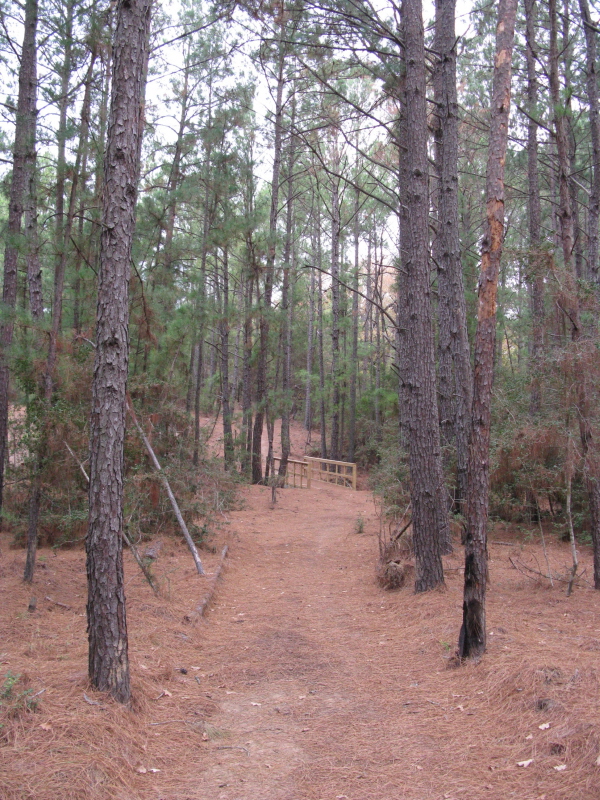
(377, 282)
(354, 354)
(441, 248)
(570, 300)
(334, 443)
(47, 378)
(320, 342)
(309, 355)
(235, 380)
(88, 241)
(207, 222)
(472, 638)
(65, 100)
(592, 91)
(567, 62)
(248, 276)
(428, 493)
(89, 82)
(34, 268)
(454, 340)
(536, 257)
(228, 445)
(246, 368)
(264, 325)
(287, 299)
(23, 157)
(107, 626)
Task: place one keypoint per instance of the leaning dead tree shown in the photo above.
(167, 485)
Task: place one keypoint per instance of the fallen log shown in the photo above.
(210, 593)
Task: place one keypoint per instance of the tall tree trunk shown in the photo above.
(309, 355)
(287, 299)
(78, 260)
(62, 135)
(48, 375)
(67, 228)
(206, 226)
(566, 57)
(320, 343)
(107, 64)
(34, 268)
(239, 305)
(354, 354)
(246, 385)
(191, 371)
(198, 386)
(335, 320)
(261, 374)
(249, 274)
(536, 256)
(428, 494)
(23, 165)
(440, 247)
(377, 279)
(368, 319)
(175, 175)
(344, 348)
(369, 308)
(472, 639)
(401, 333)
(212, 371)
(228, 447)
(107, 626)
(90, 244)
(591, 467)
(450, 277)
(592, 93)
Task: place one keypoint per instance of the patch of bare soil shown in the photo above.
(304, 680)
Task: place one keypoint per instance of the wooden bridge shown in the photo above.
(301, 473)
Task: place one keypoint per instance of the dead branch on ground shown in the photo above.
(165, 483)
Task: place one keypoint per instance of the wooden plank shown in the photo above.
(295, 472)
(301, 473)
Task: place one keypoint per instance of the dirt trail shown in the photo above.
(328, 688)
(305, 681)
(295, 602)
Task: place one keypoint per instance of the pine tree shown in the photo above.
(107, 625)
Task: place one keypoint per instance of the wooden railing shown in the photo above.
(300, 474)
(297, 474)
(342, 473)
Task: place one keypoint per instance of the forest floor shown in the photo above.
(304, 680)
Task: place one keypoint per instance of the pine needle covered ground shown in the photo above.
(304, 680)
